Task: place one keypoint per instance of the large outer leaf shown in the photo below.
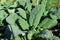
(36, 13)
(23, 23)
(3, 15)
(47, 23)
(22, 12)
(32, 15)
(12, 18)
(15, 29)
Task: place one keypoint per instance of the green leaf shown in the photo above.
(22, 12)
(12, 18)
(37, 13)
(58, 14)
(28, 6)
(3, 15)
(23, 23)
(49, 4)
(15, 29)
(47, 23)
(32, 15)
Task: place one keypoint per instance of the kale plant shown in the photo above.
(28, 19)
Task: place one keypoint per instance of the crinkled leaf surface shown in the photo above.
(22, 12)
(15, 29)
(47, 23)
(12, 18)
(37, 13)
(32, 15)
(23, 23)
